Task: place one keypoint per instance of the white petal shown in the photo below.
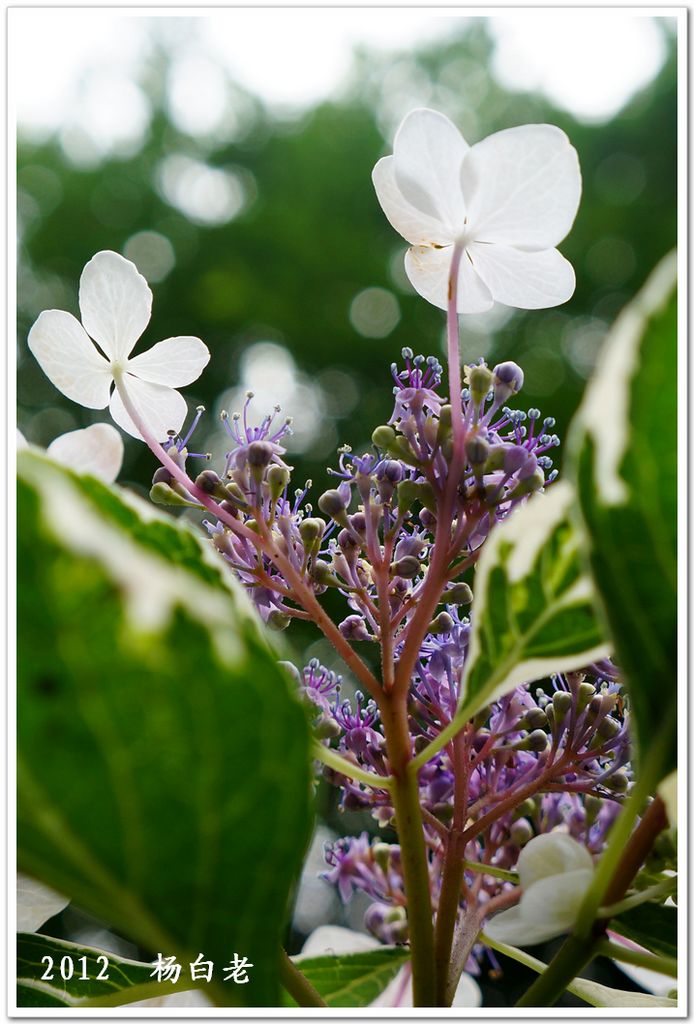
(161, 408)
(428, 150)
(174, 362)
(552, 853)
(511, 928)
(552, 904)
(330, 940)
(467, 993)
(97, 450)
(22, 442)
(522, 186)
(36, 904)
(417, 227)
(526, 280)
(428, 270)
(69, 359)
(667, 790)
(116, 303)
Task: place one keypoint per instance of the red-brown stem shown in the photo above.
(303, 595)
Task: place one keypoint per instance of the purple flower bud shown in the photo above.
(354, 628)
(508, 380)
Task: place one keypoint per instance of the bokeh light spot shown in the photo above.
(374, 313)
(152, 254)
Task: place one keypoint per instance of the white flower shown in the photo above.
(507, 201)
(116, 305)
(331, 940)
(555, 872)
(36, 904)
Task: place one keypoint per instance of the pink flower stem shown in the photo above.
(453, 336)
(302, 594)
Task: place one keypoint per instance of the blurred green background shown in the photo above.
(254, 219)
(259, 231)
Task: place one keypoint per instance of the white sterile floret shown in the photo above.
(555, 872)
(36, 904)
(97, 450)
(506, 201)
(116, 305)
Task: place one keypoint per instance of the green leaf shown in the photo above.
(533, 611)
(353, 979)
(164, 766)
(652, 925)
(624, 454)
(35, 990)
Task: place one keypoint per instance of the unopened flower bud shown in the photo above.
(460, 593)
(443, 623)
(508, 380)
(383, 436)
(608, 728)
(381, 854)
(323, 574)
(162, 494)
(277, 620)
(332, 504)
(406, 567)
(311, 530)
(476, 450)
(161, 476)
(479, 380)
(354, 628)
(536, 741)
(259, 454)
(617, 781)
(535, 718)
(209, 482)
(529, 484)
(278, 478)
(521, 832)
(515, 458)
(561, 701)
(586, 692)
(326, 728)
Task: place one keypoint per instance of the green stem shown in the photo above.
(340, 764)
(413, 852)
(297, 984)
(488, 869)
(573, 956)
(654, 892)
(615, 951)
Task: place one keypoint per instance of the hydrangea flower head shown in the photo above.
(506, 201)
(116, 305)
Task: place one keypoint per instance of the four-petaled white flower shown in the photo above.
(555, 872)
(116, 305)
(506, 201)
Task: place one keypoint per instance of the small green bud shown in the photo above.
(608, 728)
(479, 380)
(592, 805)
(529, 484)
(278, 478)
(332, 504)
(326, 728)
(162, 494)
(521, 832)
(561, 702)
(323, 574)
(311, 530)
(535, 718)
(383, 437)
(381, 854)
(276, 620)
(586, 692)
(617, 782)
(526, 809)
(476, 450)
(535, 741)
